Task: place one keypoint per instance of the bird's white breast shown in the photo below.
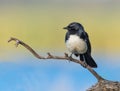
(76, 44)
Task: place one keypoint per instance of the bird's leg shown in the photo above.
(70, 57)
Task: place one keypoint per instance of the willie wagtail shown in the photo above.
(77, 42)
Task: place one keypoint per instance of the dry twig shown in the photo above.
(102, 85)
(50, 56)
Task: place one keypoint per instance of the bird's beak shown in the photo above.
(65, 28)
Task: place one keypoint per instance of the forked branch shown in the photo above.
(50, 56)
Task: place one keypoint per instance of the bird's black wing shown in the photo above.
(85, 37)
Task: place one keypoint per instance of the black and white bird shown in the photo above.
(77, 42)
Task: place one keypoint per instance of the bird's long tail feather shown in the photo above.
(89, 60)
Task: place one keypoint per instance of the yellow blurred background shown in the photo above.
(40, 23)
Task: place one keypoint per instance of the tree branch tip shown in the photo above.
(16, 40)
(10, 39)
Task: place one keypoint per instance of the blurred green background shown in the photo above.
(40, 23)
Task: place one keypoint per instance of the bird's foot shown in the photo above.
(70, 57)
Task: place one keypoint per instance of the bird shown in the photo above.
(78, 43)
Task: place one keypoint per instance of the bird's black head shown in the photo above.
(74, 27)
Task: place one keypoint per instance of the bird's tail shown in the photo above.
(89, 60)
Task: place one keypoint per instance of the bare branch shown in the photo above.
(102, 85)
(50, 56)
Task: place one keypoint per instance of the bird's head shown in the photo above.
(74, 26)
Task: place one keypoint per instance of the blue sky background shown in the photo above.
(31, 74)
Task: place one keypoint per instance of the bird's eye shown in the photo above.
(73, 28)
